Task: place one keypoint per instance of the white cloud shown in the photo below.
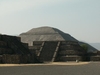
(9, 6)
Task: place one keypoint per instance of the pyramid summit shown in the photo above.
(43, 30)
(45, 34)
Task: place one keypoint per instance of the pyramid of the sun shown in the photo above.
(45, 34)
(49, 34)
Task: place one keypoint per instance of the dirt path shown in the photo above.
(52, 63)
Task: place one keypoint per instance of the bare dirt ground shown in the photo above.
(69, 68)
(51, 63)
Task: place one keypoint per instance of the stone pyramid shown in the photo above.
(45, 34)
(48, 34)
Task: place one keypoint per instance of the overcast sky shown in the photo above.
(79, 18)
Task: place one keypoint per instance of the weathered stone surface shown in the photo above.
(45, 34)
(12, 50)
(49, 34)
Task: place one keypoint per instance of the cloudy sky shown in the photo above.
(79, 18)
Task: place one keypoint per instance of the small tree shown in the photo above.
(85, 47)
